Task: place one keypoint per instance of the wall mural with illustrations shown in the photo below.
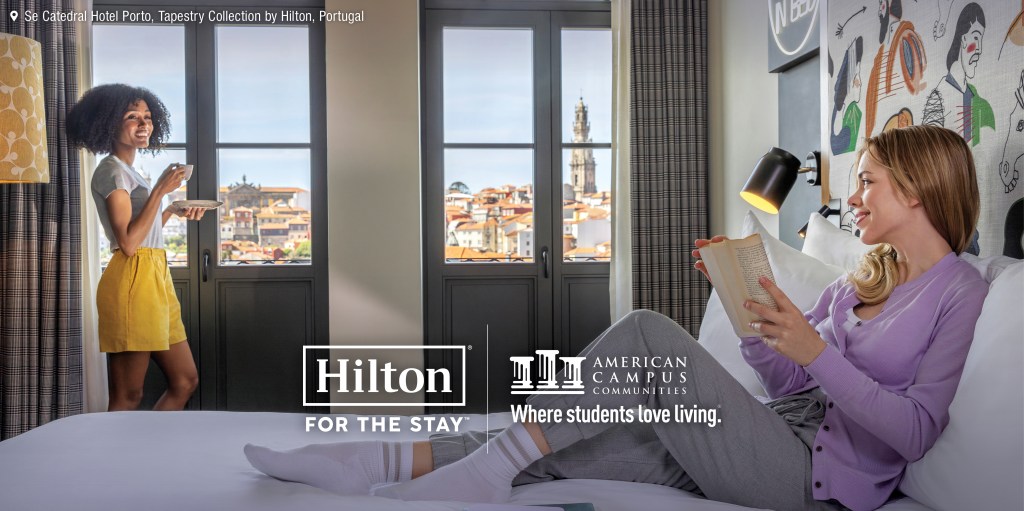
(952, 63)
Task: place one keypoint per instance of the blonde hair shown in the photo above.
(935, 166)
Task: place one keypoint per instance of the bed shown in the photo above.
(193, 460)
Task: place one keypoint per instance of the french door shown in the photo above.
(517, 187)
(246, 104)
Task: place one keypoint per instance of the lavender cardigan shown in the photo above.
(889, 380)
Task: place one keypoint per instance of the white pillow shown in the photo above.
(978, 461)
(718, 337)
(989, 267)
(832, 245)
(800, 276)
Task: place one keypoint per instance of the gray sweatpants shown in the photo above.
(757, 456)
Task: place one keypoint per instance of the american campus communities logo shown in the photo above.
(367, 375)
(549, 384)
(608, 377)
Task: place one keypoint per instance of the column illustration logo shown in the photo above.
(548, 384)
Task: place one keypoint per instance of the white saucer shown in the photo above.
(205, 204)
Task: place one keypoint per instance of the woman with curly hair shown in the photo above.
(139, 313)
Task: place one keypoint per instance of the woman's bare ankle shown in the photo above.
(422, 458)
(538, 437)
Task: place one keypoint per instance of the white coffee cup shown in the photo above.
(188, 169)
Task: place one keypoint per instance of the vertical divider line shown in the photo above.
(487, 390)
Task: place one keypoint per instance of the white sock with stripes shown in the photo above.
(346, 468)
(483, 476)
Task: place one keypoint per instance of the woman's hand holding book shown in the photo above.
(701, 243)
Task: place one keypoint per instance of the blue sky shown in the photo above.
(488, 77)
(488, 96)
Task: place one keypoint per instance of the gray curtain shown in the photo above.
(40, 251)
(669, 156)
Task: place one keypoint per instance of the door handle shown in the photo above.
(544, 260)
(206, 265)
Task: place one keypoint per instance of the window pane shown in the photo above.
(488, 205)
(587, 85)
(488, 85)
(586, 205)
(265, 218)
(150, 56)
(262, 84)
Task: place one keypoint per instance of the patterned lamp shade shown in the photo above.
(23, 157)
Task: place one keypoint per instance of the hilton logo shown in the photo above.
(381, 378)
(548, 384)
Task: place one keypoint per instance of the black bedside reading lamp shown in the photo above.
(773, 178)
(825, 211)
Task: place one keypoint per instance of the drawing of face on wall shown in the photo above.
(854, 80)
(970, 49)
(889, 12)
(965, 47)
(883, 19)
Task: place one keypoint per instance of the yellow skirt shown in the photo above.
(138, 309)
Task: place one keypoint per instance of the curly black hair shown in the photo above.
(95, 121)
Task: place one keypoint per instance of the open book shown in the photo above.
(734, 267)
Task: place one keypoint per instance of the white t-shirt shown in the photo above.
(113, 174)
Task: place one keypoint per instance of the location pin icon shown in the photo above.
(14, 15)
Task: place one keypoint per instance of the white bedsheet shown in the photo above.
(193, 460)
